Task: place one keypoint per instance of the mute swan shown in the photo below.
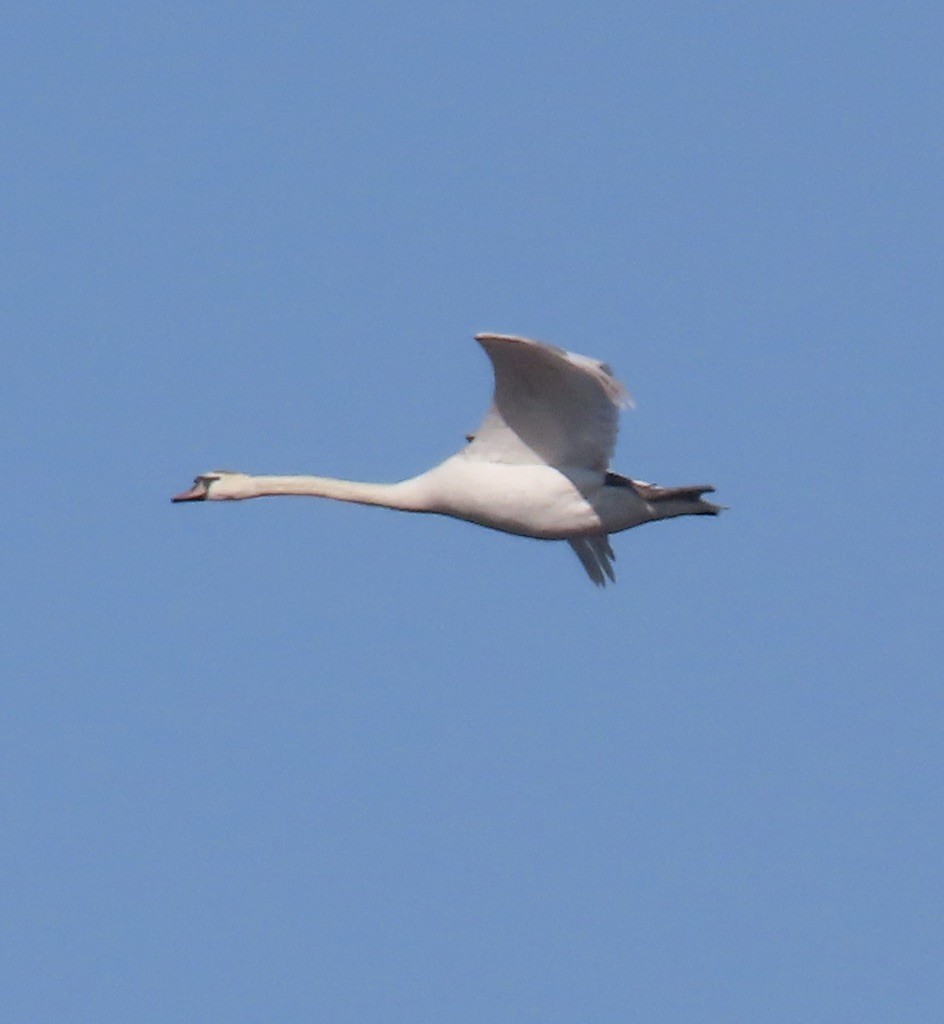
(537, 466)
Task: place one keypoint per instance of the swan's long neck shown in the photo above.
(408, 496)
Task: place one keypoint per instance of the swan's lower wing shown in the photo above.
(597, 557)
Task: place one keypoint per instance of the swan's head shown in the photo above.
(220, 485)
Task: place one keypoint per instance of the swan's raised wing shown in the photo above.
(550, 407)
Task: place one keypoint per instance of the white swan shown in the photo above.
(537, 466)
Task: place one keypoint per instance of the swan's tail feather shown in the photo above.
(597, 557)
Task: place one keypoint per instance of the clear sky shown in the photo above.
(292, 760)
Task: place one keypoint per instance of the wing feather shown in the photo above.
(549, 406)
(596, 556)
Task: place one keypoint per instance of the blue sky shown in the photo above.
(302, 761)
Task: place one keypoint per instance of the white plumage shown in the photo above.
(538, 465)
(550, 407)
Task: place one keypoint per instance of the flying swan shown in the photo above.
(538, 466)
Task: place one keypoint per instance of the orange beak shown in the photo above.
(196, 493)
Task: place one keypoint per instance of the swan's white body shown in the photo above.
(537, 466)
